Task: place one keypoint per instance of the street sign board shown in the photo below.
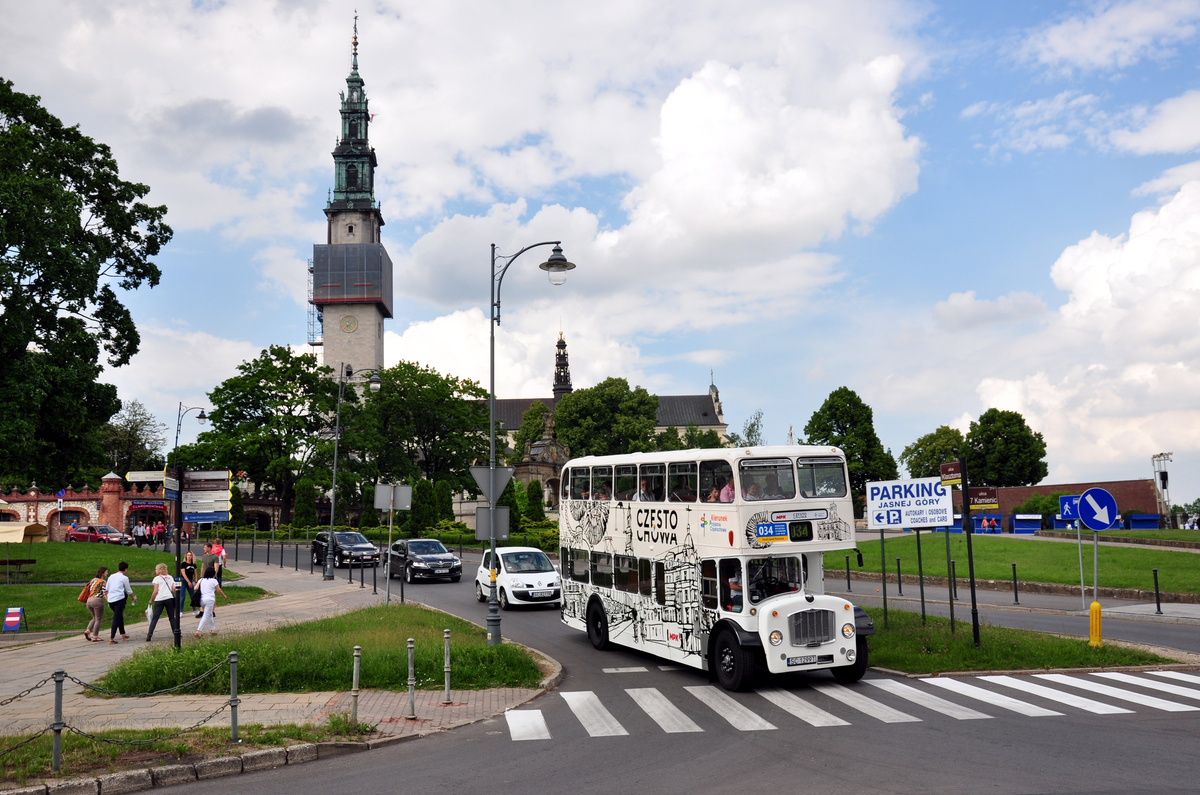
(1068, 507)
(983, 498)
(483, 478)
(951, 473)
(170, 484)
(145, 476)
(171, 494)
(923, 502)
(191, 506)
(1097, 509)
(207, 516)
(483, 529)
(393, 496)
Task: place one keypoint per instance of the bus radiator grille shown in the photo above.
(812, 627)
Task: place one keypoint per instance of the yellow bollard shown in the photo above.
(1094, 638)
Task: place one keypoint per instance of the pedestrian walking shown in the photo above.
(95, 604)
(120, 592)
(210, 560)
(220, 550)
(162, 597)
(209, 588)
(187, 574)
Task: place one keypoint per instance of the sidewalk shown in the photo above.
(300, 597)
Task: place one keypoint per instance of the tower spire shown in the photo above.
(354, 44)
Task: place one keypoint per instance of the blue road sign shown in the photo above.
(1097, 509)
(207, 516)
(1068, 507)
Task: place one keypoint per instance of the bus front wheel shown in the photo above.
(848, 674)
(597, 626)
(734, 664)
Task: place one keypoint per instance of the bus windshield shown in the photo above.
(775, 575)
(767, 479)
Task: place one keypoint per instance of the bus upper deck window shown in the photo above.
(652, 482)
(602, 483)
(581, 478)
(821, 477)
(625, 487)
(767, 479)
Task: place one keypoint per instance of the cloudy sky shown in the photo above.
(944, 206)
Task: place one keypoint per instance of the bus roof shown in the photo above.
(668, 456)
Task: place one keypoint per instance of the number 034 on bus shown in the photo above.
(713, 559)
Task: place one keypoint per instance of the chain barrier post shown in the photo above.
(57, 726)
(233, 696)
(362, 574)
(446, 635)
(354, 686)
(296, 549)
(1016, 597)
(253, 543)
(236, 538)
(953, 581)
(281, 553)
(899, 580)
(1157, 597)
(268, 551)
(412, 681)
(375, 580)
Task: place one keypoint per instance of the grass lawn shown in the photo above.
(1037, 561)
(908, 646)
(54, 607)
(60, 561)
(1168, 535)
(319, 655)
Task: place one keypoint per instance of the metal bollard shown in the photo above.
(281, 553)
(899, 580)
(296, 560)
(354, 686)
(446, 635)
(1016, 597)
(253, 544)
(1095, 637)
(375, 580)
(362, 574)
(56, 760)
(233, 696)
(350, 571)
(1157, 598)
(412, 681)
(312, 560)
(236, 538)
(268, 563)
(848, 588)
(953, 581)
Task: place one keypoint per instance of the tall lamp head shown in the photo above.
(556, 266)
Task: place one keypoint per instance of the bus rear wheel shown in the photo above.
(849, 674)
(597, 626)
(734, 664)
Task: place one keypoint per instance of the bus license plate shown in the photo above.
(807, 659)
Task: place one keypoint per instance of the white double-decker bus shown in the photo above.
(713, 559)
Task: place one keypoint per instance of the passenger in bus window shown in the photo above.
(771, 490)
(753, 492)
(644, 494)
(728, 490)
(603, 493)
(731, 575)
(714, 495)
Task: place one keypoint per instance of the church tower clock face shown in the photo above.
(349, 324)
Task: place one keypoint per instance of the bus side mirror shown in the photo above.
(859, 553)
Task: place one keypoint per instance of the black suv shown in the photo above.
(424, 558)
(352, 548)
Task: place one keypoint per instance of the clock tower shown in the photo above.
(351, 270)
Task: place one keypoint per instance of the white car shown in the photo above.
(525, 577)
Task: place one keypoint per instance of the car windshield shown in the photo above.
(352, 538)
(427, 548)
(108, 531)
(526, 562)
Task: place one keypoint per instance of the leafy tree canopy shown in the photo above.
(845, 421)
(72, 233)
(535, 509)
(924, 457)
(1001, 450)
(133, 439)
(692, 438)
(607, 419)
(752, 432)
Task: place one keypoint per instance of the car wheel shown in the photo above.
(408, 575)
(734, 664)
(597, 626)
(504, 605)
(72, 540)
(456, 579)
(479, 595)
(848, 674)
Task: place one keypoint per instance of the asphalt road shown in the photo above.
(866, 738)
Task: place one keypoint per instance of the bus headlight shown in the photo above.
(847, 631)
(776, 637)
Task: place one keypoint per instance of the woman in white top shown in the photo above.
(162, 597)
(209, 588)
(118, 590)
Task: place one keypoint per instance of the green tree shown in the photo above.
(535, 508)
(423, 424)
(237, 511)
(274, 420)
(669, 439)
(72, 234)
(607, 419)
(509, 498)
(1001, 450)
(369, 517)
(133, 440)
(696, 439)
(845, 421)
(424, 508)
(533, 425)
(305, 514)
(752, 433)
(924, 457)
(443, 496)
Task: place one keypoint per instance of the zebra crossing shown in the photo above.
(885, 700)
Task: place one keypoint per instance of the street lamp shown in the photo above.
(556, 267)
(200, 418)
(345, 373)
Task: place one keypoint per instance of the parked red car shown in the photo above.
(99, 534)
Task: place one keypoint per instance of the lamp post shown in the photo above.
(556, 267)
(345, 373)
(200, 418)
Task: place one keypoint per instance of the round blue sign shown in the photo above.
(1097, 509)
